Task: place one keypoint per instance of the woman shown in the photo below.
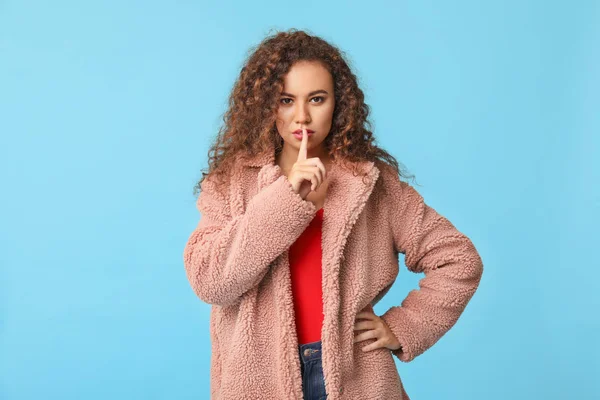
(302, 221)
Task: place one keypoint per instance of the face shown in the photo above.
(307, 100)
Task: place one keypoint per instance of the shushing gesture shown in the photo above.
(306, 175)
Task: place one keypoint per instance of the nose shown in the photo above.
(302, 116)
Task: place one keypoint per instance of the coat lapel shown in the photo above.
(346, 197)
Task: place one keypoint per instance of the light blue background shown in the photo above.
(107, 110)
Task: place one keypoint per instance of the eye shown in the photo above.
(283, 100)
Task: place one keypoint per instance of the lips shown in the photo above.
(299, 135)
(299, 131)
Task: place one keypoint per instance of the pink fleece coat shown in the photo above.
(237, 260)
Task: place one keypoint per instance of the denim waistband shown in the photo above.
(310, 351)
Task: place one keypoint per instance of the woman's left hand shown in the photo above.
(377, 329)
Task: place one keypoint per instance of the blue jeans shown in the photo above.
(313, 381)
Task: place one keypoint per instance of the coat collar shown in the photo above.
(346, 198)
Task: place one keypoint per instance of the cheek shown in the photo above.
(326, 114)
(282, 111)
(281, 121)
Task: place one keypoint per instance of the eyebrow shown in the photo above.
(310, 94)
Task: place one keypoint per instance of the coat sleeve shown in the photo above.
(452, 267)
(226, 256)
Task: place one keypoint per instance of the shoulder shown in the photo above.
(392, 192)
(231, 187)
(215, 192)
(389, 179)
(215, 184)
(228, 174)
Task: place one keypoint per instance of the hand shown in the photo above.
(306, 175)
(378, 329)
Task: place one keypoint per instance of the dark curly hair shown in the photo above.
(249, 123)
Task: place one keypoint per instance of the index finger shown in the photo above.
(303, 145)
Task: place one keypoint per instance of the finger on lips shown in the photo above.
(302, 154)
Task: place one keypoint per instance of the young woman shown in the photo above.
(302, 220)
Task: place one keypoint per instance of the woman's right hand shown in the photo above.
(306, 175)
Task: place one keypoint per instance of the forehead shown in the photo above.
(304, 77)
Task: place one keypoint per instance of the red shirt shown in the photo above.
(305, 268)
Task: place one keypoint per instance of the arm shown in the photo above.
(226, 256)
(452, 268)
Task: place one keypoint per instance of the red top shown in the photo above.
(305, 269)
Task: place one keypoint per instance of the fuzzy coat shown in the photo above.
(236, 259)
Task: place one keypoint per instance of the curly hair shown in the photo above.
(249, 123)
